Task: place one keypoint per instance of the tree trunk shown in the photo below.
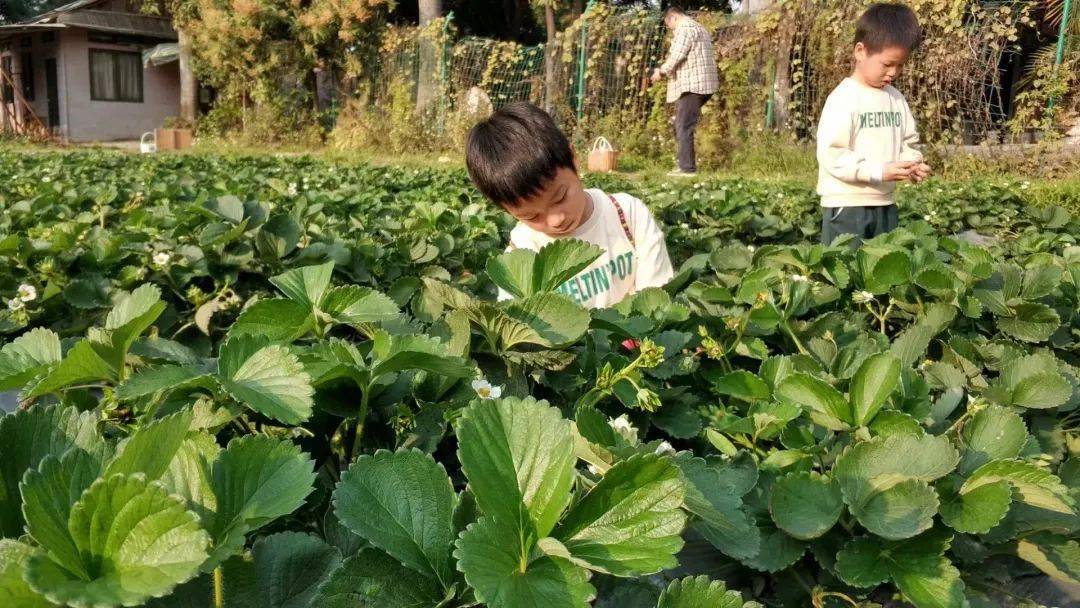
(189, 88)
(427, 86)
(782, 85)
(549, 57)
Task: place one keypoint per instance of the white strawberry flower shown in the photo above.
(293, 190)
(798, 278)
(926, 218)
(161, 259)
(594, 470)
(665, 449)
(862, 297)
(27, 293)
(751, 248)
(485, 389)
(622, 423)
(15, 304)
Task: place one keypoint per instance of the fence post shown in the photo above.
(581, 61)
(1060, 54)
(771, 101)
(444, 87)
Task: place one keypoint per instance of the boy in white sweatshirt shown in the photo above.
(866, 132)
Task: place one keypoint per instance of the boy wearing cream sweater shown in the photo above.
(866, 133)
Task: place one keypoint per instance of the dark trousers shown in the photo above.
(863, 222)
(687, 115)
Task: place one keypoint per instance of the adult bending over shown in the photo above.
(692, 79)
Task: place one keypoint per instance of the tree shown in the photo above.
(427, 87)
(13, 11)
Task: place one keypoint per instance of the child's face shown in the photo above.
(558, 209)
(880, 68)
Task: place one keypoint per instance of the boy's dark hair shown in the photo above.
(515, 152)
(887, 24)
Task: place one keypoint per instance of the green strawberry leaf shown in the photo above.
(136, 543)
(190, 473)
(1057, 556)
(81, 364)
(976, 511)
(885, 481)
(1034, 486)
(373, 579)
(28, 356)
(150, 449)
(27, 437)
(911, 344)
(256, 479)
(518, 455)
(992, 433)
(827, 406)
(14, 590)
(713, 495)
(353, 305)
(306, 284)
(166, 378)
(269, 380)
(505, 573)
(402, 503)
(698, 592)
(630, 522)
(48, 494)
(277, 319)
(805, 505)
(871, 386)
(392, 354)
(1030, 322)
(290, 567)
(741, 384)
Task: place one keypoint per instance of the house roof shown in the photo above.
(79, 14)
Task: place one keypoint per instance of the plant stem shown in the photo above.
(884, 316)
(219, 589)
(358, 433)
(794, 338)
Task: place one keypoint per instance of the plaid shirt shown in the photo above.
(691, 62)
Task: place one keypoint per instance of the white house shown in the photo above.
(88, 71)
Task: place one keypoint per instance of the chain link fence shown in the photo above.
(776, 70)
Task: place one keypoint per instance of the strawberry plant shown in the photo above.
(241, 380)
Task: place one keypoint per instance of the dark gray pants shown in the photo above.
(687, 115)
(863, 222)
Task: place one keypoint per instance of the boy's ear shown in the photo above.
(860, 51)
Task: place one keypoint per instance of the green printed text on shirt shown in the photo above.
(874, 120)
(595, 281)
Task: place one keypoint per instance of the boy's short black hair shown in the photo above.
(887, 24)
(515, 152)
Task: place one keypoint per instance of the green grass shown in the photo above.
(1052, 172)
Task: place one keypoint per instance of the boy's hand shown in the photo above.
(897, 171)
(920, 172)
(656, 76)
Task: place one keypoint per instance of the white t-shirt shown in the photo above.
(624, 267)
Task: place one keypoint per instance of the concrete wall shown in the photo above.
(86, 120)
